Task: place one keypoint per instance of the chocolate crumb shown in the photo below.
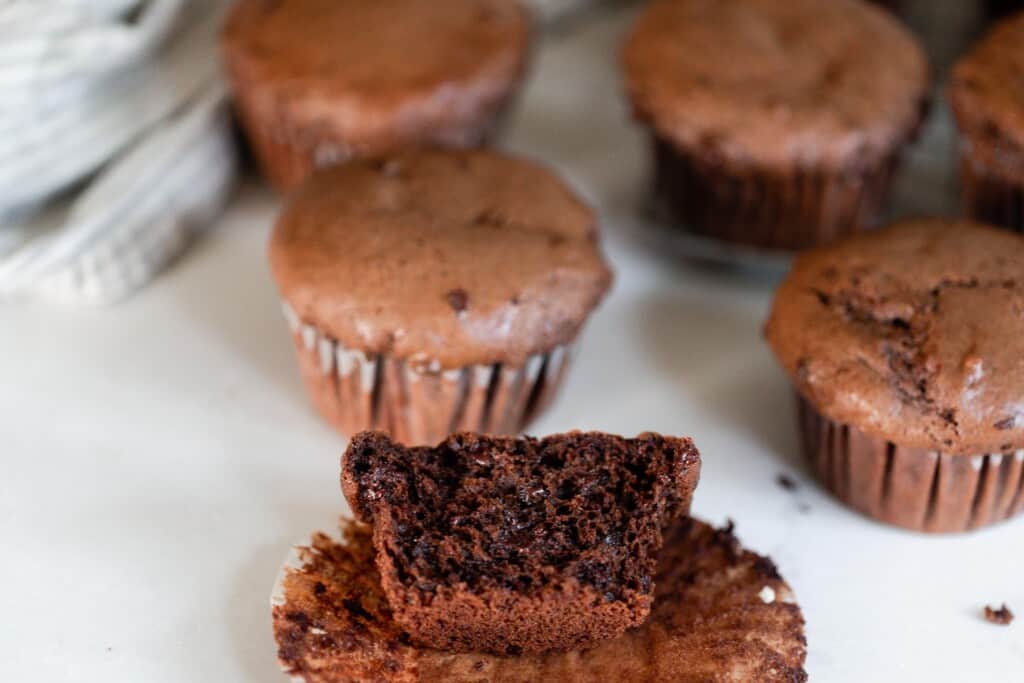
(1008, 423)
(786, 482)
(458, 299)
(766, 568)
(319, 588)
(1002, 616)
(355, 607)
(299, 618)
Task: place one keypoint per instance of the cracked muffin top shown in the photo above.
(912, 334)
(441, 258)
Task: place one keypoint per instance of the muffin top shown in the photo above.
(365, 66)
(444, 258)
(987, 86)
(913, 334)
(769, 82)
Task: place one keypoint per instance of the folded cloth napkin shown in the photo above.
(120, 102)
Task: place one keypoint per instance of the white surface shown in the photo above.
(160, 458)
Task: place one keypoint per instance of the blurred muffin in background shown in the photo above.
(435, 291)
(320, 81)
(775, 124)
(986, 92)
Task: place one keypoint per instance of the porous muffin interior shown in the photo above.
(522, 514)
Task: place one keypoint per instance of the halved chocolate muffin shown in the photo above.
(720, 613)
(436, 291)
(905, 349)
(519, 545)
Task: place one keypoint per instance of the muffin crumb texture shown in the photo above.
(513, 545)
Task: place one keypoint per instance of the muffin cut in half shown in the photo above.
(519, 545)
(721, 613)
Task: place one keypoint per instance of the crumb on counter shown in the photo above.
(1002, 616)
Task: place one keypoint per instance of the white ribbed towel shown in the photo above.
(126, 95)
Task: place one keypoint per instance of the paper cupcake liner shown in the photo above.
(764, 208)
(354, 390)
(724, 599)
(993, 193)
(294, 561)
(913, 488)
(288, 154)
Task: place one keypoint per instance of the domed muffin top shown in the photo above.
(364, 68)
(913, 334)
(987, 85)
(443, 258)
(769, 82)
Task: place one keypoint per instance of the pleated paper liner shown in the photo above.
(913, 488)
(785, 211)
(354, 391)
(993, 191)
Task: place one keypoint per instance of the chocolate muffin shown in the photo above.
(720, 613)
(986, 92)
(320, 81)
(518, 545)
(436, 291)
(903, 347)
(774, 124)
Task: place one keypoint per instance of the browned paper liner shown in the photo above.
(721, 613)
(755, 207)
(913, 488)
(354, 391)
(993, 192)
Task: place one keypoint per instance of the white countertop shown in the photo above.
(159, 458)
